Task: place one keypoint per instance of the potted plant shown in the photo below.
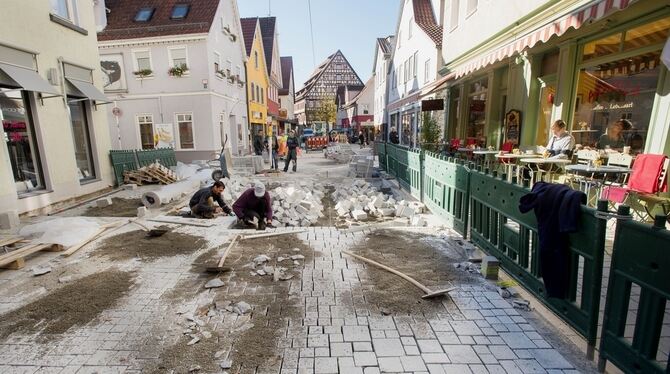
(220, 73)
(142, 73)
(178, 71)
(239, 81)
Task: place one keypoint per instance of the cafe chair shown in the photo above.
(647, 187)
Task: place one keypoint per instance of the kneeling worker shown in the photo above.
(202, 203)
(254, 203)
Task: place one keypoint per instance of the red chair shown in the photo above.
(507, 147)
(470, 141)
(647, 180)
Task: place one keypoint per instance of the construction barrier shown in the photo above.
(126, 160)
(485, 206)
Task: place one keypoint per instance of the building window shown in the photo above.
(82, 140)
(338, 77)
(185, 125)
(426, 71)
(472, 7)
(229, 70)
(409, 28)
(476, 130)
(217, 63)
(258, 94)
(20, 136)
(145, 123)
(142, 60)
(144, 14)
(262, 96)
(256, 59)
(65, 9)
(179, 11)
(415, 61)
(399, 39)
(253, 92)
(238, 72)
(453, 19)
(178, 57)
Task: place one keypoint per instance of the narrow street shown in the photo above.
(113, 308)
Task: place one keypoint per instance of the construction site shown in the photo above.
(356, 277)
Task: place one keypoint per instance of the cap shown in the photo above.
(259, 189)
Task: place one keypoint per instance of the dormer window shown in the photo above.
(144, 14)
(179, 11)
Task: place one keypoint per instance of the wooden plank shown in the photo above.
(10, 241)
(20, 263)
(12, 257)
(270, 234)
(182, 221)
(95, 235)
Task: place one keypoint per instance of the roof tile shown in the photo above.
(425, 18)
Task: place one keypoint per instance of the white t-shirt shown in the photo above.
(559, 144)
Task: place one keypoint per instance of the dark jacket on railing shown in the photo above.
(557, 208)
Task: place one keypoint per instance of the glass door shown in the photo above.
(547, 95)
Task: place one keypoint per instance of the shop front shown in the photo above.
(591, 75)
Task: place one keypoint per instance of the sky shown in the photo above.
(351, 26)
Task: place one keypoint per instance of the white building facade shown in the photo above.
(55, 147)
(380, 69)
(415, 58)
(197, 107)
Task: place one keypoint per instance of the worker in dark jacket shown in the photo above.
(259, 143)
(254, 203)
(557, 209)
(202, 203)
(275, 152)
(292, 154)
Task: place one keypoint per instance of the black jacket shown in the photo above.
(292, 142)
(557, 208)
(394, 137)
(258, 143)
(201, 197)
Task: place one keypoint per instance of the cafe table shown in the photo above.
(543, 167)
(511, 162)
(598, 175)
(486, 155)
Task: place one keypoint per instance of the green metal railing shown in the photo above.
(127, 160)
(446, 190)
(500, 229)
(122, 161)
(487, 207)
(640, 257)
(381, 155)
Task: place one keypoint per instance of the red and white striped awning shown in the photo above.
(590, 13)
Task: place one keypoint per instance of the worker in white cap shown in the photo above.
(254, 204)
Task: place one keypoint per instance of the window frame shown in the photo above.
(88, 132)
(180, 6)
(177, 122)
(455, 15)
(171, 59)
(136, 67)
(71, 9)
(471, 8)
(138, 126)
(142, 9)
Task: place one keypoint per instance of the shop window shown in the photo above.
(547, 97)
(602, 47)
(145, 123)
(20, 136)
(185, 124)
(649, 34)
(405, 129)
(622, 88)
(82, 140)
(477, 101)
(177, 57)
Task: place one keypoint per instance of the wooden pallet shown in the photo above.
(16, 258)
(154, 173)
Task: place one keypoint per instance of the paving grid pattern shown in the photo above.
(339, 332)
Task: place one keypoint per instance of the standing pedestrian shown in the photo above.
(275, 152)
(258, 143)
(361, 138)
(393, 137)
(292, 154)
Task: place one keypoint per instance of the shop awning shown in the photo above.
(402, 102)
(28, 79)
(590, 13)
(89, 91)
(436, 85)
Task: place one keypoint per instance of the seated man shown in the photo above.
(254, 203)
(202, 203)
(561, 143)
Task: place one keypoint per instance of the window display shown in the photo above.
(82, 140)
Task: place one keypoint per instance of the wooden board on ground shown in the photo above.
(17, 259)
(183, 221)
(10, 240)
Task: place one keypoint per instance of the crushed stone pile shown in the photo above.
(362, 201)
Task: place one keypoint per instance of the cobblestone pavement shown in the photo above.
(322, 320)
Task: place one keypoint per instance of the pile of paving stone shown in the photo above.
(361, 201)
(293, 204)
(340, 152)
